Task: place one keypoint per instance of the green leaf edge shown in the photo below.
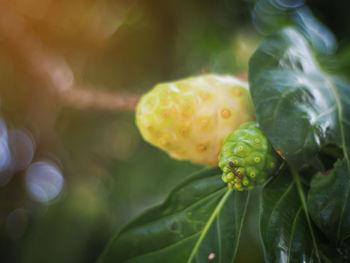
(211, 220)
(208, 224)
(344, 147)
(298, 183)
(205, 229)
(187, 179)
(306, 210)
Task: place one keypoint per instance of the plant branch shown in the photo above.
(51, 70)
(87, 98)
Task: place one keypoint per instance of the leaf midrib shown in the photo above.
(172, 214)
(208, 224)
(293, 231)
(162, 248)
(273, 210)
(240, 225)
(216, 192)
(218, 229)
(334, 90)
(306, 211)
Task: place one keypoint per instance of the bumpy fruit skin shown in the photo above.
(247, 158)
(190, 118)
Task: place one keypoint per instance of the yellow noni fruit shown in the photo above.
(190, 118)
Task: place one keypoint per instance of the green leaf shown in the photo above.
(299, 107)
(329, 202)
(288, 234)
(286, 230)
(269, 16)
(318, 35)
(302, 110)
(201, 217)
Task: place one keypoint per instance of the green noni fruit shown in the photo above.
(247, 158)
(190, 118)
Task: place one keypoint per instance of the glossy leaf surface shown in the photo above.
(200, 219)
(286, 233)
(300, 108)
(329, 202)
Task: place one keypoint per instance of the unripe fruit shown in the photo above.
(247, 158)
(190, 118)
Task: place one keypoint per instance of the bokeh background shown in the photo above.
(73, 167)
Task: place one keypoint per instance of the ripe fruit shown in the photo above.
(189, 118)
(247, 158)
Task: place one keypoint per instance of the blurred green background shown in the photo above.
(102, 173)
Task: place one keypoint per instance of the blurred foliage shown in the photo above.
(111, 174)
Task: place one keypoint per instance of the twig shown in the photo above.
(86, 98)
(51, 69)
(53, 73)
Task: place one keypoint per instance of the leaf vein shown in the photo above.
(208, 224)
(162, 248)
(345, 148)
(293, 231)
(273, 210)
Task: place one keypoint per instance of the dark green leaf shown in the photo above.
(329, 202)
(201, 217)
(299, 107)
(286, 230)
(302, 110)
(331, 254)
(269, 16)
(319, 35)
